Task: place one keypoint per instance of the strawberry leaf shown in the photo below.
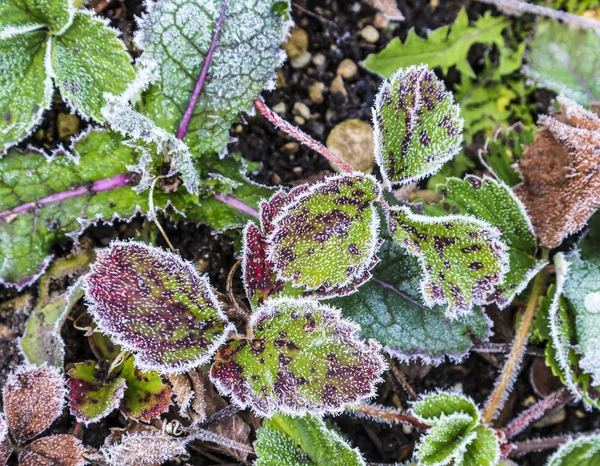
(445, 442)
(300, 358)
(462, 258)
(65, 450)
(431, 408)
(580, 451)
(417, 126)
(155, 304)
(21, 16)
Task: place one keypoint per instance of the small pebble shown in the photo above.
(347, 69)
(370, 34)
(290, 148)
(297, 170)
(280, 108)
(380, 21)
(338, 89)
(202, 265)
(352, 140)
(529, 401)
(68, 125)
(301, 61)
(315, 92)
(301, 110)
(406, 429)
(319, 60)
(276, 179)
(330, 115)
(297, 43)
(238, 129)
(299, 120)
(552, 419)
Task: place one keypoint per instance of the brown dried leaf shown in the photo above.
(33, 398)
(388, 7)
(63, 450)
(182, 389)
(5, 448)
(561, 173)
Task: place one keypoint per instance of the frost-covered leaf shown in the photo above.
(307, 440)
(326, 235)
(90, 397)
(417, 126)
(25, 85)
(495, 203)
(21, 16)
(560, 176)
(5, 445)
(483, 450)
(431, 408)
(63, 450)
(146, 396)
(87, 61)
(177, 36)
(300, 358)
(33, 398)
(502, 152)
(389, 309)
(444, 47)
(462, 257)
(446, 441)
(155, 304)
(580, 451)
(566, 60)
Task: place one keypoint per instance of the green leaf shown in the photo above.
(434, 407)
(446, 441)
(483, 450)
(462, 257)
(146, 396)
(417, 126)
(306, 440)
(302, 357)
(90, 398)
(333, 224)
(25, 85)
(388, 308)
(444, 47)
(21, 16)
(580, 451)
(494, 202)
(566, 60)
(157, 305)
(87, 61)
(177, 35)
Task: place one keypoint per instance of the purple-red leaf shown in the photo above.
(5, 447)
(63, 450)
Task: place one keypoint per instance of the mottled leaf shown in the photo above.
(146, 396)
(326, 235)
(560, 177)
(177, 35)
(566, 60)
(389, 309)
(33, 398)
(580, 451)
(21, 16)
(446, 441)
(90, 397)
(286, 440)
(25, 85)
(431, 408)
(157, 305)
(417, 126)
(495, 203)
(87, 61)
(444, 47)
(462, 257)
(300, 358)
(63, 450)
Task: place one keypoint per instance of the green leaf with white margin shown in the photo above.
(417, 126)
(483, 450)
(495, 203)
(389, 309)
(566, 60)
(25, 85)
(306, 440)
(301, 358)
(433, 407)
(580, 451)
(176, 35)
(446, 441)
(90, 398)
(21, 16)
(87, 61)
(462, 257)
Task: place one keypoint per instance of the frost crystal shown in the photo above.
(63, 450)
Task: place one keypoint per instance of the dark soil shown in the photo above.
(333, 29)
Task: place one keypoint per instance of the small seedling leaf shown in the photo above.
(446, 441)
(91, 399)
(580, 451)
(433, 407)
(483, 450)
(417, 126)
(155, 304)
(33, 399)
(307, 440)
(462, 257)
(25, 85)
(21, 16)
(89, 60)
(63, 450)
(301, 358)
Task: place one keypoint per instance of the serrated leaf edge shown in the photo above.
(571, 444)
(453, 392)
(110, 407)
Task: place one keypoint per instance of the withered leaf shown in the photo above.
(561, 173)
(63, 450)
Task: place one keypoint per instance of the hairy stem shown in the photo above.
(239, 205)
(400, 376)
(518, 7)
(189, 111)
(528, 446)
(513, 363)
(300, 136)
(388, 415)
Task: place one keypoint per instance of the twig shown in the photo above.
(226, 412)
(310, 13)
(152, 215)
(242, 313)
(387, 415)
(400, 376)
(300, 135)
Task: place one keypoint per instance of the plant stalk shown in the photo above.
(237, 204)
(388, 415)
